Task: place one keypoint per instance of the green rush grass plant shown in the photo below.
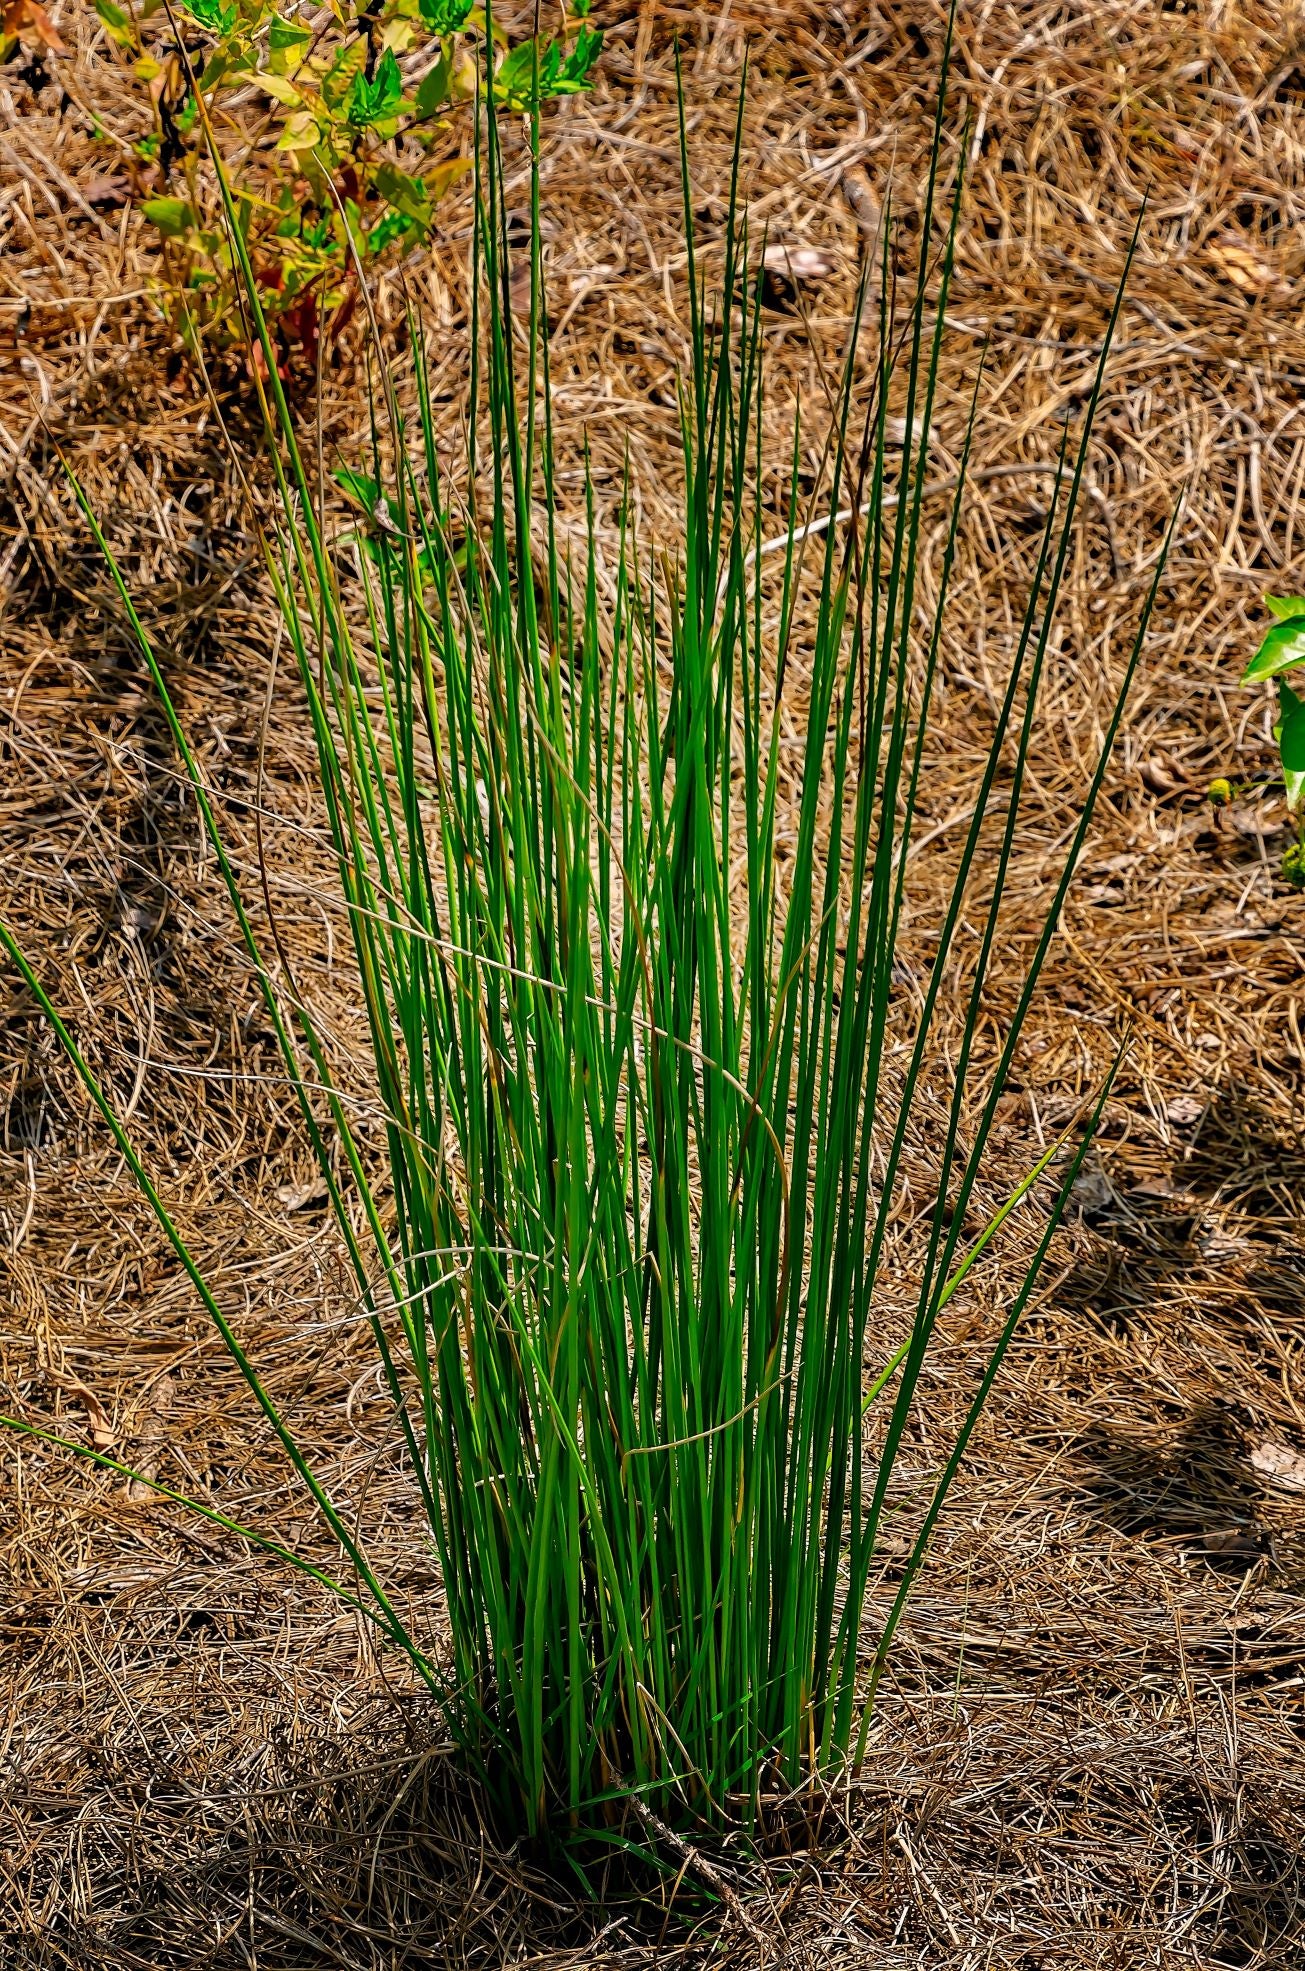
(622, 1261)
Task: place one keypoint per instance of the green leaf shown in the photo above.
(558, 74)
(303, 132)
(438, 181)
(446, 16)
(1289, 732)
(211, 15)
(405, 195)
(1282, 647)
(339, 78)
(394, 226)
(282, 90)
(371, 102)
(172, 216)
(359, 486)
(584, 56)
(1284, 607)
(287, 43)
(512, 83)
(117, 22)
(433, 89)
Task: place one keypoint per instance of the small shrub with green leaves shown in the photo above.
(1283, 650)
(343, 127)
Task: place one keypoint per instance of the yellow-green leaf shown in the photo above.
(117, 23)
(287, 44)
(282, 90)
(302, 132)
(172, 216)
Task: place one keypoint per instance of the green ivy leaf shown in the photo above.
(1282, 647)
(1284, 607)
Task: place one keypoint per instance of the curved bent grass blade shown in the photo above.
(622, 1256)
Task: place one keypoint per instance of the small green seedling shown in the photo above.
(1282, 650)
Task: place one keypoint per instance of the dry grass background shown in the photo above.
(1093, 1749)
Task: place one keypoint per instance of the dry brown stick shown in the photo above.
(693, 1858)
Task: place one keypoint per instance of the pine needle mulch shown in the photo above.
(1092, 1749)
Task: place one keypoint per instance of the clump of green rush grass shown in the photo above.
(622, 1263)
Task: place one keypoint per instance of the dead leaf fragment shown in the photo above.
(1234, 1544)
(1162, 774)
(112, 190)
(1092, 1191)
(859, 193)
(1253, 824)
(28, 21)
(1280, 1464)
(146, 1449)
(798, 263)
(101, 1426)
(895, 430)
(1185, 1110)
(1153, 1188)
(295, 1197)
(1249, 268)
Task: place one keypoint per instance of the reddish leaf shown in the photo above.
(26, 20)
